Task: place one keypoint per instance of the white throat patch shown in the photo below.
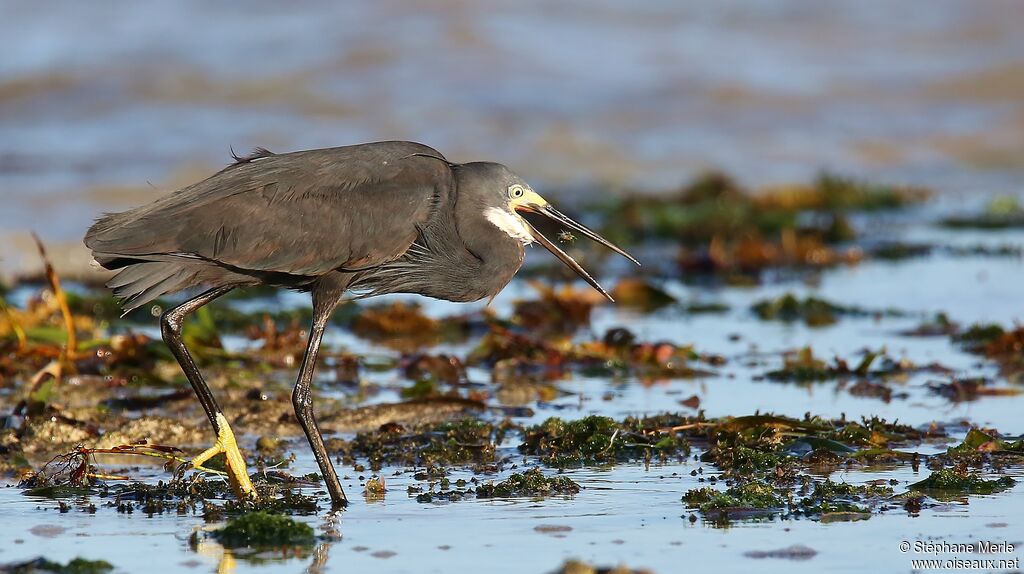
(510, 223)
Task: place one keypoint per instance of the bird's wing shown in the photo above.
(303, 213)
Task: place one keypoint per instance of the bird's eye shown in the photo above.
(516, 191)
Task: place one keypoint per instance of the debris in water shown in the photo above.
(529, 483)
(43, 565)
(263, 530)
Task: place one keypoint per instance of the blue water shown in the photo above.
(630, 514)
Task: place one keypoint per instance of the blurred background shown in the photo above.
(107, 105)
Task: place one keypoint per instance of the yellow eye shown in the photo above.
(516, 191)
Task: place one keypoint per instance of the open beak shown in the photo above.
(547, 210)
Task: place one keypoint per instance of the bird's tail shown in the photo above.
(139, 283)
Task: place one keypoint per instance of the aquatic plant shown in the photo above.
(264, 530)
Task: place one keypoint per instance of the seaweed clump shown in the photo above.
(828, 501)
(74, 566)
(442, 490)
(840, 501)
(978, 337)
(458, 442)
(598, 440)
(1006, 347)
(641, 294)
(813, 311)
(724, 228)
(557, 311)
(772, 446)
(979, 442)
(801, 366)
(264, 530)
(959, 480)
(743, 500)
(529, 483)
(518, 357)
(1000, 213)
(72, 474)
(406, 327)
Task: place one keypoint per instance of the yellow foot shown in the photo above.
(238, 474)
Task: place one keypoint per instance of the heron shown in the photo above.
(367, 219)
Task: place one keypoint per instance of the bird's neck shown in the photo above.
(496, 241)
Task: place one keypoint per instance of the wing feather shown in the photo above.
(302, 213)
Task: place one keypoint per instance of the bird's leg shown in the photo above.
(302, 397)
(170, 328)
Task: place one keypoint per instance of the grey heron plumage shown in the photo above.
(385, 217)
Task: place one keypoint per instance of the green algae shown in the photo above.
(938, 325)
(561, 443)
(763, 456)
(530, 483)
(421, 389)
(1000, 213)
(813, 311)
(874, 432)
(836, 501)
(440, 488)
(842, 193)
(1006, 347)
(521, 356)
(272, 498)
(194, 495)
(959, 480)
(714, 204)
(264, 530)
(827, 490)
(827, 501)
(803, 367)
(597, 440)
(736, 499)
(978, 441)
(768, 445)
(816, 444)
(458, 442)
(822, 508)
(899, 251)
(74, 566)
(740, 460)
(698, 308)
(450, 495)
(978, 336)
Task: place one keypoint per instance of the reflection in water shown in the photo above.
(212, 551)
(331, 534)
(227, 559)
(320, 556)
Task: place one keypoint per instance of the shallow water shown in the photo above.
(629, 513)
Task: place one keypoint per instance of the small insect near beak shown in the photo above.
(534, 203)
